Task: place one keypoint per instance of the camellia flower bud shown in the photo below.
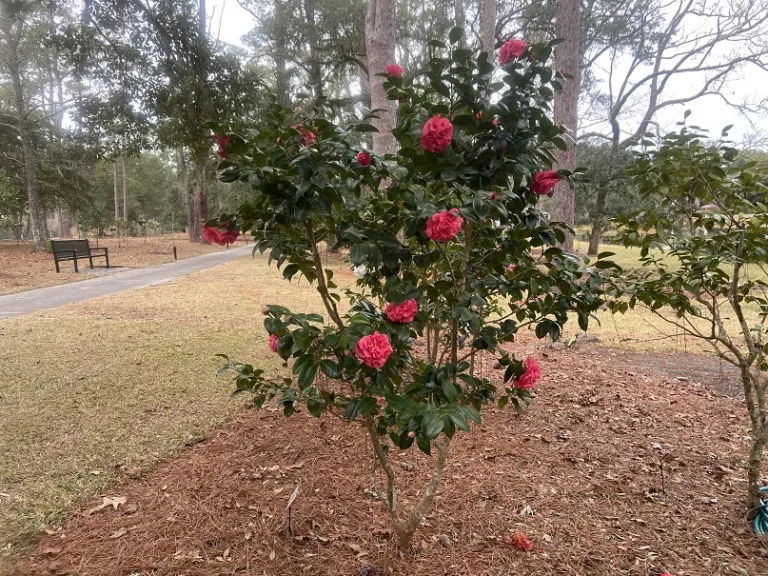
(411, 434)
(265, 310)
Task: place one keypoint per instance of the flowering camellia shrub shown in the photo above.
(451, 255)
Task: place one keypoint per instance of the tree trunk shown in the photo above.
(567, 107)
(380, 50)
(125, 194)
(460, 17)
(201, 203)
(65, 222)
(186, 199)
(281, 75)
(117, 197)
(753, 471)
(488, 27)
(38, 226)
(598, 218)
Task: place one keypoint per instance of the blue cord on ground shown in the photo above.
(760, 523)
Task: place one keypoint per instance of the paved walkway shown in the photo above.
(55, 296)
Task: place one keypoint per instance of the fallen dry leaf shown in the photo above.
(106, 501)
(118, 533)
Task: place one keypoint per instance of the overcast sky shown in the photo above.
(709, 112)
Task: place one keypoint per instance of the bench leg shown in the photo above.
(75, 261)
(90, 259)
(57, 265)
(106, 256)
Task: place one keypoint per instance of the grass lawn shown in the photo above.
(22, 269)
(98, 391)
(105, 388)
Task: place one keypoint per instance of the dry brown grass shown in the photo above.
(94, 391)
(22, 269)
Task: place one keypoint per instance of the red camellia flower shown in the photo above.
(444, 225)
(513, 48)
(492, 196)
(373, 350)
(402, 313)
(544, 182)
(223, 142)
(479, 115)
(495, 121)
(219, 235)
(395, 70)
(521, 542)
(528, 379)
(363, 158)
(273, 342)
(307, 136)
(436, 134)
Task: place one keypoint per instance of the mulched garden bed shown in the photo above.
(614, 470)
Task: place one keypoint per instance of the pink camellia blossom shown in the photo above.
(444, 225)
(512, 49)
(544, 182)
(402, 313)
(492, 196)
(479, 115)
(219, 235)
(373, 350)
(395, 70)
(307, 136)
(495, 121)
(436, 134)
(511, 267)
(223, 142)
(273, 342)
(363, 158)
(530, 376)
(521, 542)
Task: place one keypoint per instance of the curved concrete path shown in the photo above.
(55, 296)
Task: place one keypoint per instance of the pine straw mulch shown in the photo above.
(580, 473)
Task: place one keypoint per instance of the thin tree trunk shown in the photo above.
(186, 199)
(117, 197)
(753, 471)
(567, 108)
(488, 27)
(460, 16)
(38, 226)
(598, 218)
(380, 50)
(281, 76)
(125, 194)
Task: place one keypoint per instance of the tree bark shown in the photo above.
(38, 226)
(125, 194)
(117, 197)
(753, 471)
(281, 75)
(488, 27)
(184, 193)
(380, 50)
(201, 202)
(460, 17)
(567, 107)
(598, 219)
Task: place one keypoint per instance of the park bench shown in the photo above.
(75, 250)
